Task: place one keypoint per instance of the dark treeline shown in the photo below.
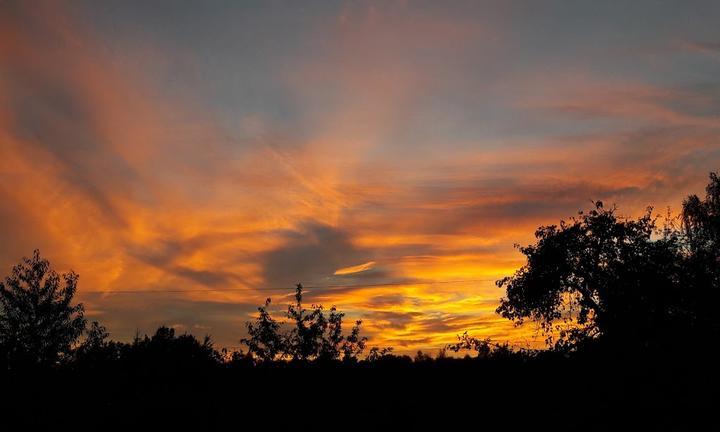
(629, 309)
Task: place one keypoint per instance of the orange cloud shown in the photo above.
(354, 269)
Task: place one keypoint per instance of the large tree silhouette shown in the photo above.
(625, 281)
(38, 322)
(597, 276)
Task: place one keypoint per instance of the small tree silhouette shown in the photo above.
(38, 323)
(305, 340)
(313, 335)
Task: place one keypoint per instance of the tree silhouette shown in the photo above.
(305, 339)
(596, 276)
(96, 350)
(38, 323)
(313, 335)
(701, 219)
(166, 352)
(701, 275)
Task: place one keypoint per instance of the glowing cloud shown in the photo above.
(355, 269)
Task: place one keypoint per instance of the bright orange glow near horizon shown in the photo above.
(397, 149)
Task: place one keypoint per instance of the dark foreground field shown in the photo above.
(560, 393)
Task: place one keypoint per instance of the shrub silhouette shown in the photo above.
(38, 322)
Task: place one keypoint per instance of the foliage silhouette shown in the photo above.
(166, 352)
(313, 334)
(701, 267)
(264, 341)
(96, 351)
(38, 322)
(482, 347)
(627, 283)
(377, 354)
(597, 276)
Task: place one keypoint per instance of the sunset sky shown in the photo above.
(388, 154)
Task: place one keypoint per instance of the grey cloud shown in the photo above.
(394, 320)
(438, 322)
(311, 255)
(164, 254)
(385, 300)
(48, 110)
(206, 277)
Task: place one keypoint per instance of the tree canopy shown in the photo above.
(38, 322)
(312, 334)
(622, 280)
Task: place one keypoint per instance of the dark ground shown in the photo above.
(606, 393)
